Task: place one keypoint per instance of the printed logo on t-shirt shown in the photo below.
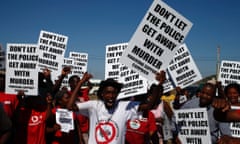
(134, 124)
(35, 120)
(106, 132)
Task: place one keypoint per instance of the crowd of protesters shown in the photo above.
(143, 119)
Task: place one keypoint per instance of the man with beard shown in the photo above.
(205, 99)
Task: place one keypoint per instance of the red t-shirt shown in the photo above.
(30, 128)
(9, 102)
(137, 129)
(83, 120)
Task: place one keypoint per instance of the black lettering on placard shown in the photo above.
(199, 123)
(194, 140)
(147, 57)
(171, 32)
(132, 84)
(165, 42)
(235, 132)
(28, 65)
(153, 47)
(43, 41)
(183, 62)
(113, 48)
(185, 115)
(44, 48)
(49, 36)
(198, 132)
(235, 71)
(135, 60)
(164, 13)
(183, 55)
(22, 73)
(118, 54)
(236, 77)
(173, 67)
(147, 67)
(185, 75)
(113, 73)
(122, 74)
(21, 81)
(12, 56)
(61, 39)
(140, 69)
(171, 17)
(116, 66)
(229, 81)
(130, 78)
(182, 69)
(48, 62)
(224, 75)
(50, 56)
(224, 70)
(110, 55)
(113, 60)
(153, 19)
(56, 51)
(184, 131)
(232, 65)
(56, 44)
(149, 30)
(25, 57)
(236, 124)
(13, 64)
(17, 48)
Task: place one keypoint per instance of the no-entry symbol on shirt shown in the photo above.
(105, 132)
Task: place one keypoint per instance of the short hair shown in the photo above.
(232, 85)
(106, 83)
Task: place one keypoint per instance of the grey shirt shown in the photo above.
(216, 128)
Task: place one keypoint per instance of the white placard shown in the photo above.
(156, 40)
(183, 70)
(21, 69)
(194, 126)
(51, 52)
(112, 65)
(229, 72)
(64, 118)
(80, 63)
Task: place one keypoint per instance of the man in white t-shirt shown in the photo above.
(108, 116)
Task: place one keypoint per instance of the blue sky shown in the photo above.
(91, 25)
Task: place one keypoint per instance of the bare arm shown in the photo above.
(85, 78)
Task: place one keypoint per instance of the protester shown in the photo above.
(205, 99)
(54, 133)
(108, 116)
(141, 129)
(30, 119)
(232, 93)
(82, 96)
(45, 84)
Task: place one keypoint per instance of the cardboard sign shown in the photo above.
(67, 62)
(80, 63)
(229, 72)
(194, 126)
(112, 64)
(156, 40)
(21, 69)
(235, 126)
(64, 118)
(134, 84)
(183, 69)
(51, 50)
